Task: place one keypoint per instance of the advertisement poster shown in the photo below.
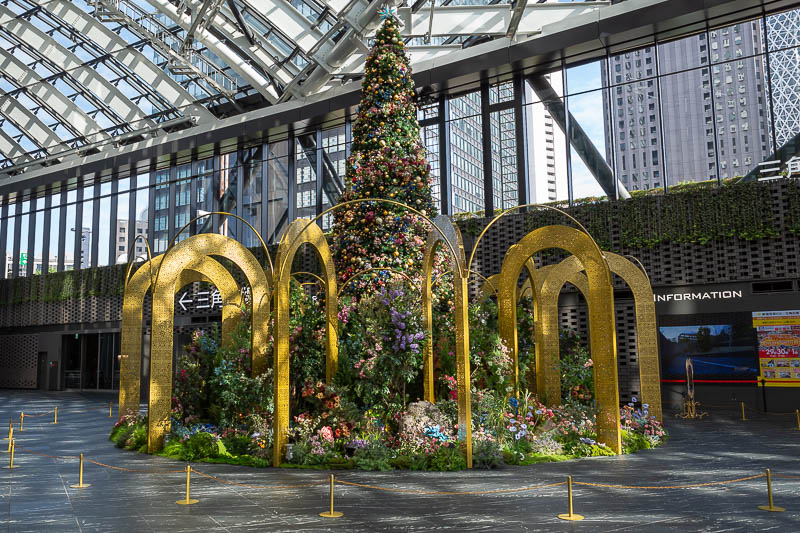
(778, 347)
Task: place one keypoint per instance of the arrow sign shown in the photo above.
(183, 301)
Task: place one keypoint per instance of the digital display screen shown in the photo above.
(718, 352)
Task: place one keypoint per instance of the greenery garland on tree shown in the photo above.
(386, 161)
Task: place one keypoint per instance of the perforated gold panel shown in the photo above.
(207, 270)
(298, 233)
(189, 254)
(570, 270)
(449, 231)
(601, 316)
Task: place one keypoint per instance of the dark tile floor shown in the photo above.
(36, 495)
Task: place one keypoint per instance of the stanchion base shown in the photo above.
(567, 516)
(773, 509)
(334, 514)
(187, 502)
(10, 467)
(80, 486)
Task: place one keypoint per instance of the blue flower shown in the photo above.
(589, 441)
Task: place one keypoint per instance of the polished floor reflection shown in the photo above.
(36, 496)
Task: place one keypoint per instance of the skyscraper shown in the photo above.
(713, 120)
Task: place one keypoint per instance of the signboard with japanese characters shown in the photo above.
(207, 299)
(778, 347)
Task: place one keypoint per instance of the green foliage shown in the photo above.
(137, 439)
(575, 367)
(690, 213)
(633, 441)
(448, 459)
(202, 445)
(382, 347)
(486, 454)
(374, 456)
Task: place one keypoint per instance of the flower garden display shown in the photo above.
(349, 379)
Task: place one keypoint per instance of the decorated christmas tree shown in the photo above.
(386, 161)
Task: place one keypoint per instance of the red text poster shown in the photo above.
(778, 347)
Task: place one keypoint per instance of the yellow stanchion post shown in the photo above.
(187, 501)
(21, 420)
(770, 507)
(110, 408)
(10, 440)
(81, 484)
(570, 515)
(11, 458)
(331, 513)
(743, 417)
(55, 416)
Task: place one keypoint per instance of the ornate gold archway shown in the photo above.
(448, 233)
(207, 270)
(601, 316)
(298, 233)
(188, 254)
(570, 270)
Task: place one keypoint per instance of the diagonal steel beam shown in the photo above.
(220, 49)
(130, 57)
(28, 123)
(577, 138)
(72, 117)
(48, 49)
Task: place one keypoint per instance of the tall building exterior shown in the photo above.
(547, 168)
(712, 94)
(124, 240)
(783, 32)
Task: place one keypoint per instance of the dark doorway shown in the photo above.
(41, 378)
(71, 356)
(90, 360)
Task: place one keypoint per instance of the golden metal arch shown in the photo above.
(601, 316)
(188, 254)
(136, 288)
(298, 233)
(451, 236)
(570, 270)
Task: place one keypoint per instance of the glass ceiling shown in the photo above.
(82, 76)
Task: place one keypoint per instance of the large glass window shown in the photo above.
(140, 236)
(227, 193)
(10, 227)
(107, 218)
(204, 195)
(122, 231)
(334, 162)
(278, 190)
(252, 184)
(305, 188)
(183, 200)
(161, 233)
(87, 227)
(24, 233)
(37, 254)
(466, 153)
(547, 160)
(53, 254)
(69, 230)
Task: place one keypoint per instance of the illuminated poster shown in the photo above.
(779, 347)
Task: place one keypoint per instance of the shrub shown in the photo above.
(374, 456)
(237, 444)
(137, 438)
(545, 444)
(202, 445)
(486, 454)
(448, 459)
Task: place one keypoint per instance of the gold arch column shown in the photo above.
(189, 254)
(449, 231)
(131, 338)
(549, 379)
(299, 232)
(601, 316)
(570, 270)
